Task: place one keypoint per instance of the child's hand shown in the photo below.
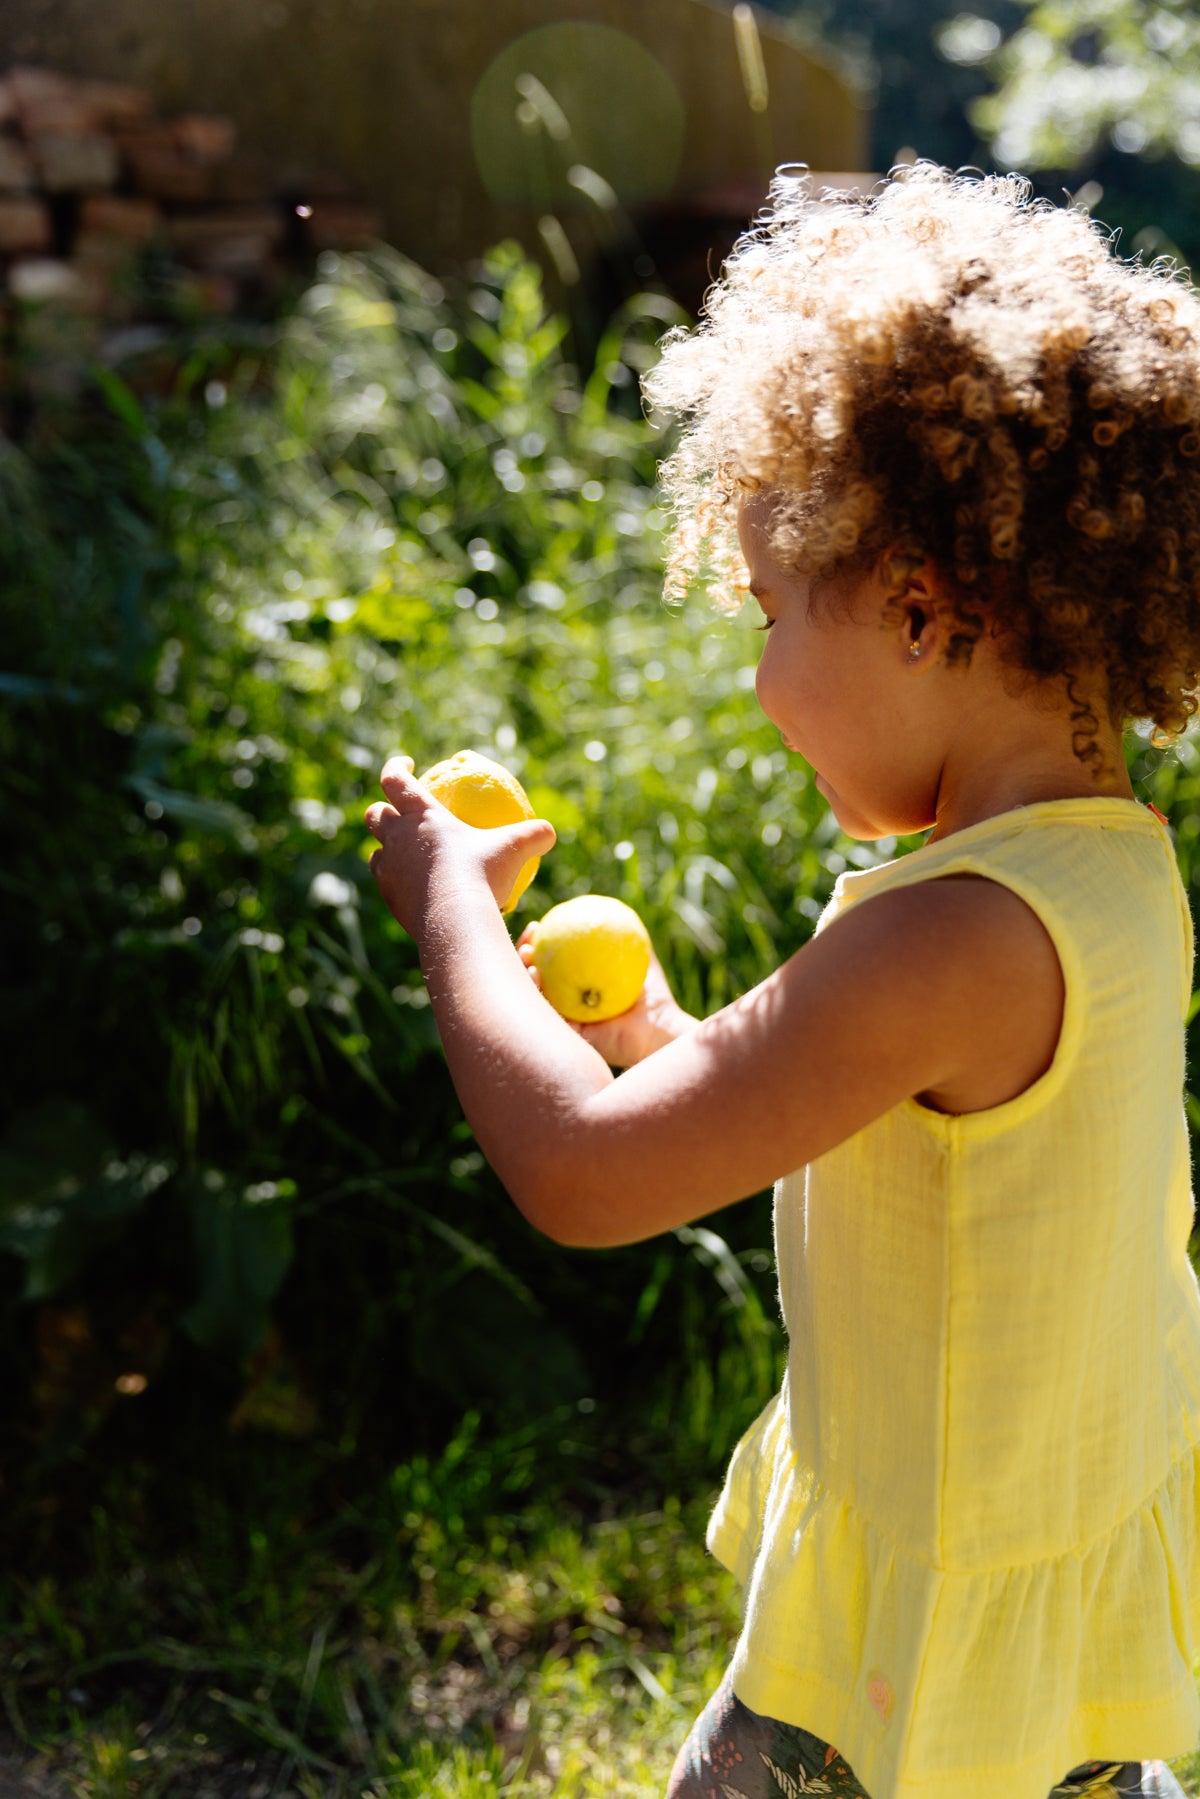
(653, 1020)
(425, 852)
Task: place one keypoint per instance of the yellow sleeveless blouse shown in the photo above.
(968, 1524)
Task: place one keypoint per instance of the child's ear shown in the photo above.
(919, 637)
(917, 600)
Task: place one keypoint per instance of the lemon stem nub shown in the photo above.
(590, 997)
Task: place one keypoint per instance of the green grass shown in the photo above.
(443, 1634)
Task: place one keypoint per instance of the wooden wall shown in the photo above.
(394, 96)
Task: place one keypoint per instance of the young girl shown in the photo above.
(952, 446)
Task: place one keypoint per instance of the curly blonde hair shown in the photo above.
(950, 368)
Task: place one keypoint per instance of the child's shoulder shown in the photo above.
(986, 977)
(999, 939)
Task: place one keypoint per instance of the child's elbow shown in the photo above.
(561, 1202)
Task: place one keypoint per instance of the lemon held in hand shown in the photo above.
(592, 954)
(483, 794)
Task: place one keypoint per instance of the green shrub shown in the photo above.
(227, 1102)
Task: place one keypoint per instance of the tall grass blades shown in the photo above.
(424, 530)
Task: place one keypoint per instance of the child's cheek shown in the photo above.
(768, 687)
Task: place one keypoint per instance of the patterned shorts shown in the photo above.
(732, 1753)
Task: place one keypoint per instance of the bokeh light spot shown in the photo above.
(575, 97)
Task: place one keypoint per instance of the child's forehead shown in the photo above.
(758, 519)
(763, 569)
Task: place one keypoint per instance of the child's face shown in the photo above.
(844, 692)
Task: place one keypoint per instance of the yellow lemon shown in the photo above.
(483, 794)
(592, 954)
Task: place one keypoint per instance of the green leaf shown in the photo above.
(474, 1254)
(393, 616)
(713, 1252)
(217, 817)
(121, 400)
(483, 402)
(243, 1247)
(64, 1194)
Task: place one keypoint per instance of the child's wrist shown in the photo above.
(458, 904)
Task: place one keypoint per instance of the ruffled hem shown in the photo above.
(933, 1683)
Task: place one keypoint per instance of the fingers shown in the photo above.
(397, 780)
(376, 816)
(609, 1039)
(525, 951)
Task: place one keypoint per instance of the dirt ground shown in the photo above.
(22, 1778)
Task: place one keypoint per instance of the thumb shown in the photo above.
(507, 848)
(533, 836)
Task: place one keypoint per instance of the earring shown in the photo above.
(914, 650)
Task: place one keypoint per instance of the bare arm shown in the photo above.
(884, 1004)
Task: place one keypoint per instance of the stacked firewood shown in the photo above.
(113, 216)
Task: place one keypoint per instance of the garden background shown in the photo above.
(323, 1474)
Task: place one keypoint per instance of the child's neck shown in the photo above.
(988, 789)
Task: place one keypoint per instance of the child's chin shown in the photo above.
(860, 830)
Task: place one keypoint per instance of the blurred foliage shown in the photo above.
(1094, 97)
(1103, 94)
(226, 1102)
(918, 81)
(1079, 73)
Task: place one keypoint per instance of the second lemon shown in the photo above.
(592, 954)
